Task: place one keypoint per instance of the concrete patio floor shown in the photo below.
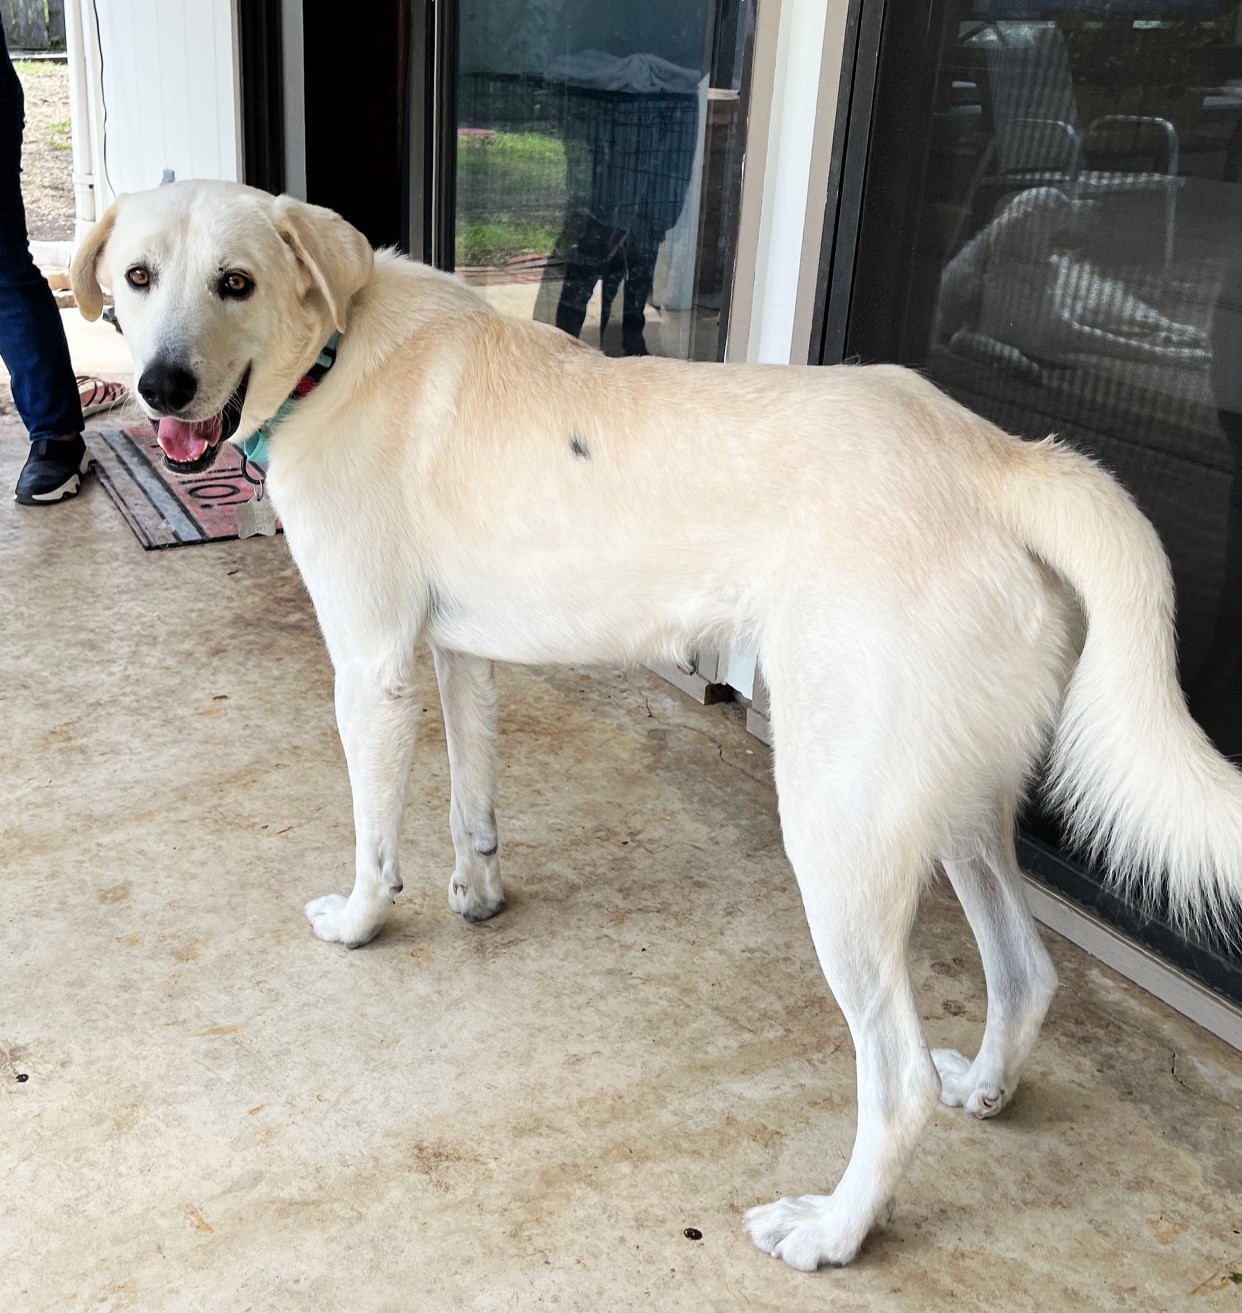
(203, 1108)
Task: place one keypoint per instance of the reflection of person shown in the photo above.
(32, 339)
(631, 127)
(594, 254)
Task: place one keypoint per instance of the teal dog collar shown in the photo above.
(255, 447)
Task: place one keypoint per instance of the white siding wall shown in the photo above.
(169, 80)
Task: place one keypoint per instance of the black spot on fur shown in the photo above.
(577, 444)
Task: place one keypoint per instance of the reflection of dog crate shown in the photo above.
(510, 153)
(628, 161)
(608, 171)
(629, 158)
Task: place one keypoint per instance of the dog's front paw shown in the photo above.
(335, 920)
(805, 1233)
(475, 903)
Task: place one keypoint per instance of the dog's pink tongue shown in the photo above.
(187, 442)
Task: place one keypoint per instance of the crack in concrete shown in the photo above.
(1173, 1071)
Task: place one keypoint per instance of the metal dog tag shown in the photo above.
(256, 516)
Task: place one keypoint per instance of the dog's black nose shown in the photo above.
(167, 387)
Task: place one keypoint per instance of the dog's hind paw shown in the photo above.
(805, 1233)
(982, 1093)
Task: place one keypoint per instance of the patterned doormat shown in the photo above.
(162, 508)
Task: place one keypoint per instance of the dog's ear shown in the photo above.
(334, 253)
(83, 275)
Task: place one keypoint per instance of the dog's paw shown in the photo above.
(335, 921)
(982, 1093)
(467, 900)
(805, 1233)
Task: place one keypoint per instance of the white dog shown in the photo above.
(914, 579)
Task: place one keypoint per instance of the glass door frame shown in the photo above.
(433, 160)
(261, 90)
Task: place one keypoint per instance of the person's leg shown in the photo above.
(639, 276)
(32, 339)
(586, 262)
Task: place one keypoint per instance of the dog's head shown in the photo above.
(225, 294)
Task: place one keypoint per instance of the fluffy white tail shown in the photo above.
(1138, 781)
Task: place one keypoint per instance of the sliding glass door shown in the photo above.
(1047, 206)
(589, 164)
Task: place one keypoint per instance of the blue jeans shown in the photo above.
(32, 338)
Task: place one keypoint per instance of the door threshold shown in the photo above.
(1135, 962)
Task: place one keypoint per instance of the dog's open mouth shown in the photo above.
(191, 446)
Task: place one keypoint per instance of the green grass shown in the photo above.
(510, 195)
(496, 240)
(514, 148)
(59, 136)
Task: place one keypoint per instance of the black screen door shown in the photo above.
(1042, 210)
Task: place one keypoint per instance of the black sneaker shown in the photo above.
(53, 471)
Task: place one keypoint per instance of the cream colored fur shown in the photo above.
(913, 579)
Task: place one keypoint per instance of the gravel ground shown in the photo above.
(47, 161)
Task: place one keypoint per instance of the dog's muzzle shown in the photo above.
(193, 445)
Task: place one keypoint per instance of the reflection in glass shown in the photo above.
(599, 163)
(1077, 268)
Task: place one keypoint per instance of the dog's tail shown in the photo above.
(1136, 778)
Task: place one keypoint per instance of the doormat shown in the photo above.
(162, 508)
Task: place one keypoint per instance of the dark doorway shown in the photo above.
(356, 70)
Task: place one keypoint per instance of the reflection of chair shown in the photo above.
(1023, 292)
(1031, 110)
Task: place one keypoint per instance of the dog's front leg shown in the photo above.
(376, 716)
(468, 696)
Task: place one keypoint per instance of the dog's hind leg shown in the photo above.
(1020, 976)
(468, 697)
(859, 872)
(376, 718)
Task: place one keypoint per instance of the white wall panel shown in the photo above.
(170, 85)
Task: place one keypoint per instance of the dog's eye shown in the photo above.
(138, 277)
(236, 285)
